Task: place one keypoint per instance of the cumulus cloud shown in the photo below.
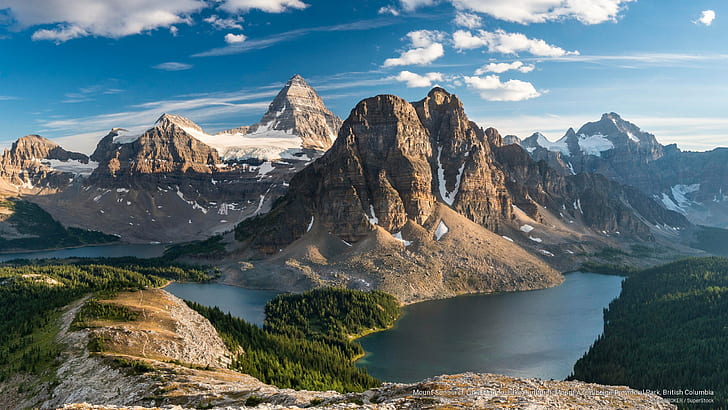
(119, 18)
(105, 18)
(491, 88)
(388, 10)
(468, 20)
(231, 38)
(411, 5)
(537, 11)
(414, 80)
(706, 18)
(500, 41)
(426, 48)
(269, 6)
(224, 23)
(60, 34)
(499, 68)
(173, 66)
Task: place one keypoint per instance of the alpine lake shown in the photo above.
(539, 333)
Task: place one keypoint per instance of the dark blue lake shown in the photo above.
(539, 333)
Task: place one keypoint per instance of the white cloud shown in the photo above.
(491, 88)
(388, 10)
(105, 18)
(465, 40)
(539, 11)
(426, 49)
(499, 68)
(269, 41)
(173, 66)
(500, 41)
(269, 6)
(173, 31)
(231, 38)
(706, 18)
(411, 5)
(60, 34)
(414, 80)
(224, 24)
(468, 20)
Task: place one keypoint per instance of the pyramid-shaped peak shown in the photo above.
(299, 111)
(165, 120)
(297, 80)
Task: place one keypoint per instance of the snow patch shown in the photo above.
(545, 252)
(310, 224)
(193, 204)
(679, 202)
(398, 236)
(507, 238)
(594, 144)
(571, 168)
(265, 168)
(441, 230)
(526, 228)
(124, 137)
(558, 146)
(539, 240)
(72, 166)
(372, 216)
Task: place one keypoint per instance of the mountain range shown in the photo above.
(409, 197)
(174, 182)
(691, 183)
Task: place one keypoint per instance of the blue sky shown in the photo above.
(70, 71)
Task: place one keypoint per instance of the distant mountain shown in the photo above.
(691, 183)
(417, 200)
(296, 120)
(175, 179)
(298, 110)
(34, 163)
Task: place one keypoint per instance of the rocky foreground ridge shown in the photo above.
(180, 364)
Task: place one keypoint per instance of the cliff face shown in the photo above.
(467, 178)
(31, 162)
(394, 160)
(166, 148)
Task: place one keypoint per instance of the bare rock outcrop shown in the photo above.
(28, 164)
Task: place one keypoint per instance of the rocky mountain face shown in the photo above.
(168, 185)
(167, 148)
(691, 183)
(412, 172)
(34, 163)
(175, 177)
(298, 110)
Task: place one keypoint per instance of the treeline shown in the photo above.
(305, 342)
(31, 296)
(162, 267)
(668, 330)
(46, 233)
